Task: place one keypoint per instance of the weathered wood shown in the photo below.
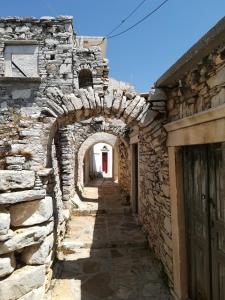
(217, 218)
(195, 178)
(204, 168)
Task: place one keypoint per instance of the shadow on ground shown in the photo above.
(105, 255)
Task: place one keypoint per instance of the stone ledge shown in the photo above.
(20, 42)
(199, 118)
(21, 196)
(20, 79)
(30, 19)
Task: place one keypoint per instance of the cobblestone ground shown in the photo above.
(105, 255)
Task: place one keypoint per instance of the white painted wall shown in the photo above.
(97, 160)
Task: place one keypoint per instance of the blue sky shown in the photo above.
(144, 53)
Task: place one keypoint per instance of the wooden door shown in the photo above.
(217, 218)
(197, 211)
(105, 162)
(204, 190)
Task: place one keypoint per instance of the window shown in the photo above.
(21, 60)
(85, 79)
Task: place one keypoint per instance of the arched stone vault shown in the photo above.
(85, 103)
(60, 109)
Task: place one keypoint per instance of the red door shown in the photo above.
(105, 162)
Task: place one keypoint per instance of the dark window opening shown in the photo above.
(85, 79)
(52, 56)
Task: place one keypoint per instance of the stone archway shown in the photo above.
(34, 145)
(92, 140)
(58, 109)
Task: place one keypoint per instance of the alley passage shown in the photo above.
(105, 254)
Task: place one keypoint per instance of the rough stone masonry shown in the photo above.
(41, 98)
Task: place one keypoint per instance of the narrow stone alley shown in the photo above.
(105, 254)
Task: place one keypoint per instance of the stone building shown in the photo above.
(195, 143)
(57, 101)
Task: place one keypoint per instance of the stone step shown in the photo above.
(103, 231)
(94, 212)
(72, 245)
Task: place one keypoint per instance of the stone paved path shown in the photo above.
(105, 255)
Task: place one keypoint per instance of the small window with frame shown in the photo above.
(21, 60)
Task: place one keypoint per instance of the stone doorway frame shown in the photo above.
(98, 137)
(135, 188)
(202, 128)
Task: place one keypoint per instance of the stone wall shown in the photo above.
(200, 89)
(66, 158)
(193, 85)
(36, 119)
(26, 237)
(155, 207)
(124, 167)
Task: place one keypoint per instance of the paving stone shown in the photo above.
(106, 256)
